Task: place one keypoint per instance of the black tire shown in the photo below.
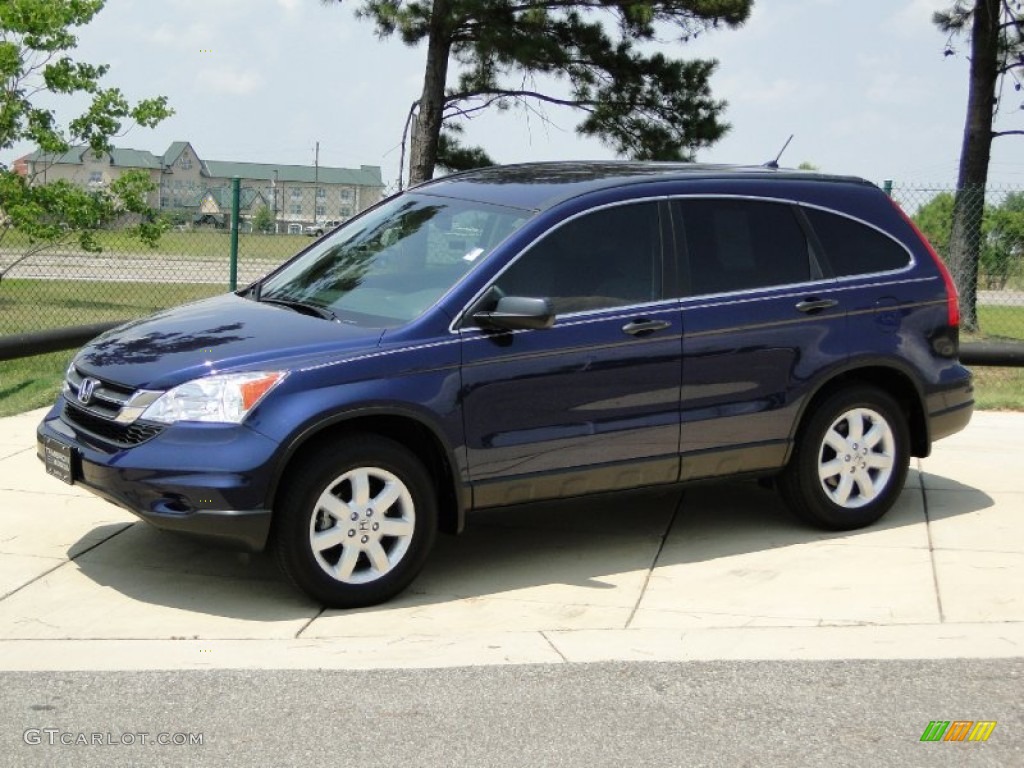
(859, 480)
(397, 495)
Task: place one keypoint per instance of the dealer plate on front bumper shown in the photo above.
(59, 460)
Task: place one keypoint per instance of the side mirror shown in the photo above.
(515, 313)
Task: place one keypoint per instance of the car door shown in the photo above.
(872, 268)
(760, 324)
(592, 403)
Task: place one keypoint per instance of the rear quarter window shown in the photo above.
(853, 248)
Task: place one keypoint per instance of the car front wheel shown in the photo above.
(355, 522)
(850, 460)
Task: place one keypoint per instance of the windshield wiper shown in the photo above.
(317, 310)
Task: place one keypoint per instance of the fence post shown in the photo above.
(887, 187)
(236, 194)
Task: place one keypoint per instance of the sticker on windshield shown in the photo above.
(473, 255)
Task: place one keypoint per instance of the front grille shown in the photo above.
(124, 435)
(107, 397)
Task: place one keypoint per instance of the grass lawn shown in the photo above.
(999, 389)
(29, 305)
(32, 305)
(31, 382)
(999, 323)
(204, 244)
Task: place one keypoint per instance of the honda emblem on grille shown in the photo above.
(85, 390)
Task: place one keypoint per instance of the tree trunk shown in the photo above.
(968, 211)
(427, 127)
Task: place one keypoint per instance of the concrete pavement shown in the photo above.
(717, 572)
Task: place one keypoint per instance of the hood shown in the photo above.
(220, 334)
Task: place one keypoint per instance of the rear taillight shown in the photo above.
(952, 300)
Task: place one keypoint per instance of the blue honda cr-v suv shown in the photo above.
(523, 333)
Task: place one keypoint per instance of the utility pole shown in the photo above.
(316, 180)
(273, 192)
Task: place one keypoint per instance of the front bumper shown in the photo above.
(207, 480)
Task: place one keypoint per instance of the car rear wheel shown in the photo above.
(850, 460)
(356, 522)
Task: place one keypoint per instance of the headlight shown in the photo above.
(224, 398)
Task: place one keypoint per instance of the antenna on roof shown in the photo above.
(775, 163)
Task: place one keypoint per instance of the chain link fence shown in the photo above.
(980, 235)
(54, 287)
(60, 285)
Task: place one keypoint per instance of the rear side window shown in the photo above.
(853, 248)
(734, 245)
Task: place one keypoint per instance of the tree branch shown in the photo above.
(405, 137)
(498, 93)
(1015, 20)
(997, 134)
(468, 113)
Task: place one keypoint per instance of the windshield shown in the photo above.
(394, 262)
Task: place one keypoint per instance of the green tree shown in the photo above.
(1004, 251)
(935, 220)
(1001, 235)
(644, 105)
(453, 155)
(996, 31)
(35, 38)
(263, 220)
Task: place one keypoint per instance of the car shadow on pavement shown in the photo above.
(516, 548)
(164, 569)
(597, 552)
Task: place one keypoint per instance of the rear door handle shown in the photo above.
(815, 305)
(645, 327)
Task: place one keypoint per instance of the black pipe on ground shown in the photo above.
(53, 340)
(995, 353)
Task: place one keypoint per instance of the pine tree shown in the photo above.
(996, 29)
(643, 105)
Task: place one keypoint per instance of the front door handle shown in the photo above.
(815, 305)
(645, 327)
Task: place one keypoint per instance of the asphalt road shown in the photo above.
(839, 713)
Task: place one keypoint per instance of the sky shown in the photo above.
(863, 86)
